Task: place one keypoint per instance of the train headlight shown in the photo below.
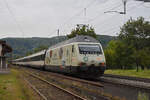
(82, 64)
(102, 64)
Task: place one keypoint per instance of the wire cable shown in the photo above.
(13, 16)
(77, 14)
(90, 20)
(130, 9)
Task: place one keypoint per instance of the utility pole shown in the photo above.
(85, 15)
(124, 3)
(58, 32)
(58, 35)
(85, 12)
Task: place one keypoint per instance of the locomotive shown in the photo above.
(78, 55)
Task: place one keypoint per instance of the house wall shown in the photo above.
(0, 49)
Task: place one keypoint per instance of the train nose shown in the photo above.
(92, 62)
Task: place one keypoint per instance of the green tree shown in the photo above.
(40, 48)
(83, 30)
(136, 34)
(118, 54)
(110, 55)
(28, 53)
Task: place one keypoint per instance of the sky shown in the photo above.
(42, 18)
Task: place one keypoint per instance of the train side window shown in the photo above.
(50, 53)
(72, 48)
(60, 53)
(41, 57)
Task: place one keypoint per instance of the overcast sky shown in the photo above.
(41, 18)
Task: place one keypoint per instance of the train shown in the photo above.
(81, 55)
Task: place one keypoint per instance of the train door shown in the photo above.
(73, 55)
(68, 55)
(70, 58)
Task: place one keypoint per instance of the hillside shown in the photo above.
(22, 45)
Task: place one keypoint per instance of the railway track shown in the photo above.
(46, 95)
(87, 89)
(70, 78)
(111, 89)
(114, 79)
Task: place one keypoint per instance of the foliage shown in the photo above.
(40, 48)
(105, 39)
(136, 33)
(132, 48)
(143, 96)
(83, 30)
(118, 54)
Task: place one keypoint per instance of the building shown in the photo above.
(4, 48)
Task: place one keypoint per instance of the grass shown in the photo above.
(12, 87)
(140, 73)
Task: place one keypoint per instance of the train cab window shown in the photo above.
(89, 49)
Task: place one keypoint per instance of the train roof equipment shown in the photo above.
(78, 38)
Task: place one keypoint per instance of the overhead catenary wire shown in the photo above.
(111, 8)
(128, 10)
(104, 14)
(108, 6)
(132, 8)
(66, 22)
(114, 8)
(94, 18)
(14, 18)
(77, 14)
(117, 6)
(80, 12)
(109, 29)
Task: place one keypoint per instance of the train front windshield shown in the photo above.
(89, 49)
